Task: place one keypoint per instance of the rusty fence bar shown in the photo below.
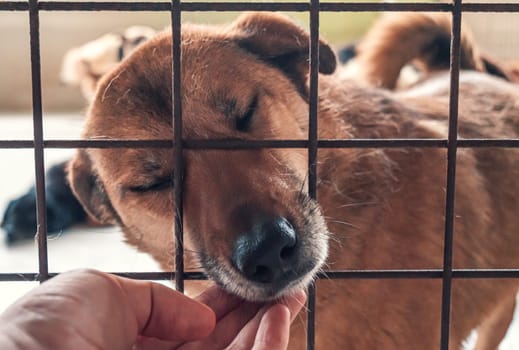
(313, 136)
(446, 274)
(334, 274)
(452, 149)
(245, 6)
(37, 114)
(177, 130)
(255, 144)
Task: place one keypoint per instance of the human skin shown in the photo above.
(88, 309)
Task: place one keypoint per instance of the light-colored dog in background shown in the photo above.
(83, 66)
(248, 221)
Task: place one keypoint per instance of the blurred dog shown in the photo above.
(63, 209)
(82, 67)
(402, 49)
(248, 221)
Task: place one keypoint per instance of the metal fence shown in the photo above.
(314, 8)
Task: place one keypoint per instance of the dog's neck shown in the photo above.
(357, 184)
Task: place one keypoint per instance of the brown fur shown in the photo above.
(424, 39)
(384, 207)
(382, 55)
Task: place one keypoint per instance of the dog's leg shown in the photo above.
(63, 209)
(493, 329)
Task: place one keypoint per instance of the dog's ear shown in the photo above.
(499, 69)
(89, 190)
(277, 40)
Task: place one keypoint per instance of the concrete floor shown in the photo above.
(79, 247)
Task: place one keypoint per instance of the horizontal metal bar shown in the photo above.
(490, 7)
(226, 6)
(166, 6)
(14, 6)
(16, 144)
(498, 143)
(417, 6)
(103, 6)
(383, 7)
(381, 274)
(245, 6)
(485, 273)
(255, 144)
(157, 276)
(333, 274)
(114, 143)
(420, 274)
(221, 6)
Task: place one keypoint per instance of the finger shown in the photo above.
(274, 329)
(265, 317)
(295, 303)
(220, 301)
(245, 339)
(226, 329)
(144, 343)
(163, 313)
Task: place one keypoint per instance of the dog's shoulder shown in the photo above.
(367, 112)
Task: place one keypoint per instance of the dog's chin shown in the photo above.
(234, 283)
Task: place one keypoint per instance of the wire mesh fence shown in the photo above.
(446, 274)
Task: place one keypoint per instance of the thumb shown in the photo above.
(164, 313)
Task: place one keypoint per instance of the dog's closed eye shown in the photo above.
(244, 121)
(156, 185)
(239, 115)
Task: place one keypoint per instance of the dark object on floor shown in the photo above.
(63, 209)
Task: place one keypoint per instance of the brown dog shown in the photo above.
(422, 39)
(247, 220)
(398, 52)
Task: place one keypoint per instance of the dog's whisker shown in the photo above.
(333, 237)
(341, 222)
(324, 274)
(357, 204)
(302, 189)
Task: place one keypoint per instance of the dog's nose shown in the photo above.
(267, 252)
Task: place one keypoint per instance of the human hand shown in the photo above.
(93, 310)
(240, 325)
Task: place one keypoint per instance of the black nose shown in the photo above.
(267, 252)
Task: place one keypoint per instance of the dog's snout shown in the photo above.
(266, 253)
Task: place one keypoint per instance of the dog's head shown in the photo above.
(246, 215)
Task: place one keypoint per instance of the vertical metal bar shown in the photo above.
(312, 147)
(310, 325)
(41, 229)
(177, 136)
(313, 96)
(451, 174)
